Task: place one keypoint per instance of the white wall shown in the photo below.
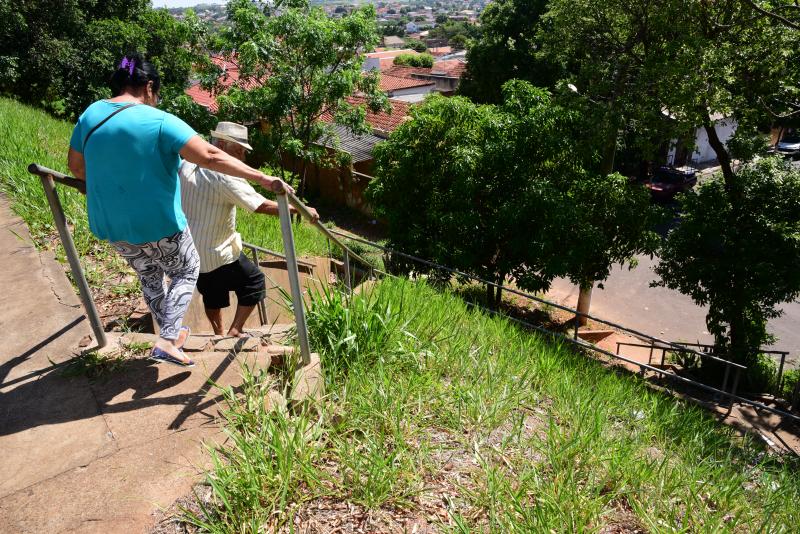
(703, 152)
(422, 90)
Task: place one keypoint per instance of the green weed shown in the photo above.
(442, 411)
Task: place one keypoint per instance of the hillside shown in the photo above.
(440, 418)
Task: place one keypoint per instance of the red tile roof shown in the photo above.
(203, 97)
(440, 50)
(228, 78)
(403, 71)
(391, 53)
(381, 122)
(452, 68)
(394, 83)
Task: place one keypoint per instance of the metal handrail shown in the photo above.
(730, 395)
(682, 349)
(49, 178)
(524, 294)
(302, 209)
(286, 198)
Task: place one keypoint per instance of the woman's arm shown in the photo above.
(76, 164)
(206, 155)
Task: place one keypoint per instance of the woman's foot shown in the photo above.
(183, 335)
(166, 349)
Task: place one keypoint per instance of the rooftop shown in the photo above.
(358, 146)
(394, 83)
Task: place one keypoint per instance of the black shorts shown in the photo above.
(241, 276)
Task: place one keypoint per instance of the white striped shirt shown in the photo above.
(209, 200)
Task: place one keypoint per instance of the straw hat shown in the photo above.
(230, 131)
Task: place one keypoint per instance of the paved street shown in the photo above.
(629, 300)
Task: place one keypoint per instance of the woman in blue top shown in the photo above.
(128, 152)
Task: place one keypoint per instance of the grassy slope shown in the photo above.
(442, 413)
(28, 135)
(464, 418)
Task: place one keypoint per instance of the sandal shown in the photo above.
(158, 356)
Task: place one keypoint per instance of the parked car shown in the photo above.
(668, 181)
(789, 146)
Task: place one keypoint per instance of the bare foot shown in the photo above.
(168, 346)
(183, 335)
(236, 333)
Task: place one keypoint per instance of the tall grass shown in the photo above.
(436, 410)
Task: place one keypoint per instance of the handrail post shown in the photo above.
(72, 256)
(347, 280)
(262, 307)
(779, 381)
(294, 276)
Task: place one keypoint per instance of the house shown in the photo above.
(392, 41)
(438, 51)
(229, 78)
(345, 185)
(408, 89)
(445, 74)
(696, 150)
(384, 59)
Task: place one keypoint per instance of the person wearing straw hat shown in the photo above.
(210, 199)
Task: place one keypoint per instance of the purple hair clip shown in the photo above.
(129, 64)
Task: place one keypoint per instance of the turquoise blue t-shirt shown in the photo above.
(132, 186)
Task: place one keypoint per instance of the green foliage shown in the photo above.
(60, 55)
(509, 47)
(451, 28)
(477, 196)
(790, 380)
(505, 193)
(614, 222)
(738, 257)
(414, 60)
(302, 65)
(350, 331)
(416, 44)
(456, 390)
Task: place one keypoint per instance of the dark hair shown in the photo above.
(133, 71)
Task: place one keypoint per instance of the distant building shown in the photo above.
(695, 150)
(384, 59)
(392, 41)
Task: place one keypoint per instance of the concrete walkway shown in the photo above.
(80, 456)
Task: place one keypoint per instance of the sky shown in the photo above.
(185, 3)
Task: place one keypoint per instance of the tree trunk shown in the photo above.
(490, 296)
(584, 301)
(722, 155)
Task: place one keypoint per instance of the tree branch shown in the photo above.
(773, 15)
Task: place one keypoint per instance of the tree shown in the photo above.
(59, 55)
(738, 257)
(441, 18)
(499, 195)
(414, 60)
(509, 47)
(296, 67)
(450, 28)
(416, 44)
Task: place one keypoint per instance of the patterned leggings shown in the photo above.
(174, 256)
